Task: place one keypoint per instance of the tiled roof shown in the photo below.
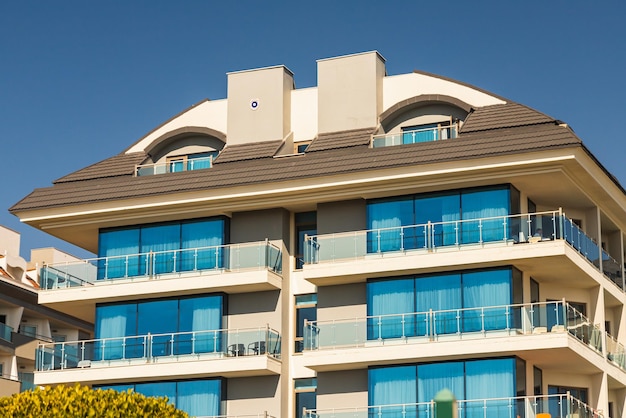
(312, 164)
(343, 139)
(119, 165)
(503, 116)
(248, 151)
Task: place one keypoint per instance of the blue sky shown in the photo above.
(82, 80)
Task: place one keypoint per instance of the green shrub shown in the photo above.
(81, 401)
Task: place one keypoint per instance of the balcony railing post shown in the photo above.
(62, 361)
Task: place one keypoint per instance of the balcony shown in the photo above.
(248, 352)
(5, 332)
(174, 166)
(452, 324)
(429, 134)
(437, 237)
(517, 407)
(615, 352)
(74, 287)
(548, 330)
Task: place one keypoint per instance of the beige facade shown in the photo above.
(305, 238)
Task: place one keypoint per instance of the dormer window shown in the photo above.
(417, 133)
(178, 163)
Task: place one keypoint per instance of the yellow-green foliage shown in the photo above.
(81, 401)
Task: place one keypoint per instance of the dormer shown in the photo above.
(194, 149)
(422, 118)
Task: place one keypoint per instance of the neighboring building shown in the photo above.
(23, 322)
(365, 242)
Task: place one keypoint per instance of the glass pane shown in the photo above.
(487, 288)
(201, 241)
(200, 398)
(437, 209)
(485, 204)
(392, 385)
(305, 400)
(385, 219)
(158, 317)
(439, 293)
(437, 376)
(163, 241)
(200, 314)
(485, 379)
(159, 389)
(115, 245)
(388, 297)
(112, 323)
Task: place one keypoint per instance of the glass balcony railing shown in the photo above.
(224, 258)
(428, 237)
(152, 347)
(483, 322)
(433, 133)
(432, 235)
(563, 405)
(174, 166)
(263, 415)
(615, 352)
(5, 332)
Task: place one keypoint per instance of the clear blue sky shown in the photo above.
(82, 80)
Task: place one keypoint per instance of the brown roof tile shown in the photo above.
(311, 164)
(503, 116)
(119, 165)
(250, 151)
(343, 139)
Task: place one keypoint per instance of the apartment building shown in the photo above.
(23, 322)
(348, 249)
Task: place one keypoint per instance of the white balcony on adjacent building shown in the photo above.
(226, 353)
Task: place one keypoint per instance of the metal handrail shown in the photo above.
(167, 167)
(351, 332)
(235, 342)
(398, 137)
(565, 404)
(68, 273)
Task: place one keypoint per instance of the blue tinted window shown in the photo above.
(196, 397)
(400, 223)
(158, 390)
(468, 380)
(487, 288)
(200, 314)
(201, 241)
(164, 248)
(387, 297)
(116, 245)
(385, 218)
(440, 304)
(436, 376)
(439, 293)
(437, 209)
(392, 385)
(161, 316)
(199, 398)
(161, 241)
(484, 204)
